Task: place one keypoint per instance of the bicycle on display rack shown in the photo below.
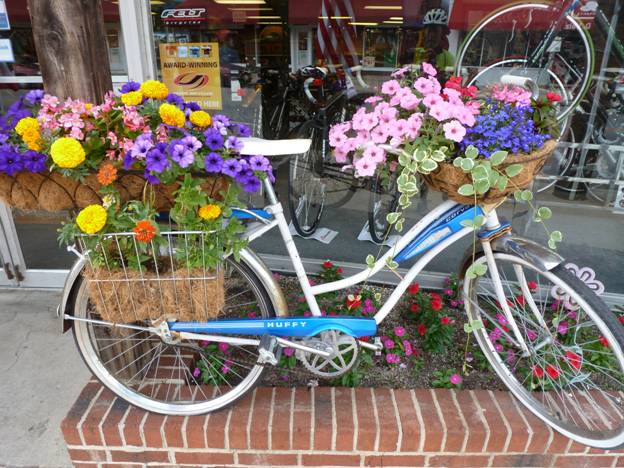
(549, 44)
(148, 363)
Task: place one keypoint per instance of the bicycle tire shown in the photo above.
(576, 25)
(306, 197)
(94, 355)
(381, 202)
(564, 372)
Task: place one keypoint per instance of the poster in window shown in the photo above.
(193, 72)
(4, 17)
(381, 47)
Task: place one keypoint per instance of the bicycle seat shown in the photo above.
(253, 145)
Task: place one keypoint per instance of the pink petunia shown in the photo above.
(390, 87)
(379, 134)
(429, 69)
(431, 100)
(454, 131)
(364, 167)
(375, 153)
(398, 128)
(455, 379)
(372, 99)
(399, 331)
(441, 112)
(423, 86)
(409, 102)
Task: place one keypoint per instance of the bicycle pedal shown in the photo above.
(378, 345)
(269, 351)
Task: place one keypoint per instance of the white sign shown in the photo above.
(6, 51)
(4, 17)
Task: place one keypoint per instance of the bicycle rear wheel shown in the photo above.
(504, 40)
(572, 374)
(182, 377)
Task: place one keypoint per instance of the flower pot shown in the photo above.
(448, 178)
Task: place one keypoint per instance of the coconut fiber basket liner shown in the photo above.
(448, 178)
(125, 296)
(52, 191)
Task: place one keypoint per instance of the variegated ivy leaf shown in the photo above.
(404, 201)
(391, 264)
(473, 325)
(399, 225)
(471, 152)
(420, 154)
(392, 217)
(476, 269)
(513, 170)
(526, 195)
(370, 261)
(438, 155)
(429, 165)
(482, 186)
(479, 221)
(480, 172)
(497, 157)
(555, 237)
(466, 190)
(402, 179)
(410, 187)
(466, 164)
(377, 297)
(502, 183)
(457, 162)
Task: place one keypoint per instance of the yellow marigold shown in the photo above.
(67, 153)
(27, 125)
(33, 141)
(209, 212)
(91, 219)
(171, 115)
(154, 89)
(200, 118)
(133, 98)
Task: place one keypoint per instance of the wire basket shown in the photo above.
(167, 278)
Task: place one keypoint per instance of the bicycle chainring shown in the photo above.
(345, 352)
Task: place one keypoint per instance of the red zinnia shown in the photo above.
(553, 97)
(435, 301)
(422, 329)
(553, 371)
(339, 270)
(621, 319)
(413, 288)
(145, 231)
(574, 359)
(414, 307)
(327, 264)
(532, 285)
(445, 320)
(521, 300)
(538, 372)
(603, 341)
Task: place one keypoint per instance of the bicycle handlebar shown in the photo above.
(306, 90)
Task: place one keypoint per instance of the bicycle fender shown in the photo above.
(264, 274)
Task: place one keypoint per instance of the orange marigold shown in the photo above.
(144, 230)
(107, 174)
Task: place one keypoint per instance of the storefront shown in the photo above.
(236, 56)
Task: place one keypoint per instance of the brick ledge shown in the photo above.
(325, 427)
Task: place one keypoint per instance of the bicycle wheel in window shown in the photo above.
(180, 377)
(571, 374)
(384, 199)
(503, 41)
(306, 190)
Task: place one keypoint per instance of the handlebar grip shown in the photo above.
(357, 69)
(306, 90)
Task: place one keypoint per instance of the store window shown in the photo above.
(258, 77)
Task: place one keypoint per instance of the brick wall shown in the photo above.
(324, 427)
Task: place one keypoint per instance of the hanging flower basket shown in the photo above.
(448, 177)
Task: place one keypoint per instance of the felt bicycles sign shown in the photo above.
(192, 70)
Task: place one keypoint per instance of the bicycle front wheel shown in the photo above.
(502, 43)
(180, 377)
(571, 374)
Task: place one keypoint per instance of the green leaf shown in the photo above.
(479, 221)
(466, 164)
(399, 225)
(390, 263)
(526, 195)
(402, 179)
(467, 223)
(471, 152)
(404, 201)
(556, 236)
(482, 186)
(409, 187)
(420, 155)
(438, 155)
(473, 325)
(518, 195)
(429, 165)
(502, 183)
(377, 297)
(497, 157)
(480, 269)
(457, 162)
(404, 159)
(544, 213)
(392, 217)
(466, 190)
(480, 172)
(513, 170)
(370, 261)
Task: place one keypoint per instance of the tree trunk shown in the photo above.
(70, 40)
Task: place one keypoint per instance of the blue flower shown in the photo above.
(241, 130)
(214, 139)
(34, 96)
(213, 162)
(34, 161)
(175, 99)
(259, 163)
(10, 162)
(251, 184)
(231, 167)
(156, 160)
(233, 143)
(130, 86)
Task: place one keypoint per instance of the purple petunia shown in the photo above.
(130, 86)
(213, 162)
(214, 139)
(156, 160)
(220, 120)
(152, 179)
(175, 99)
(241, 130)
(141, 147)
(251, 184)
(180, 154)
(34, 96)
(10, 162)
(191, 143)
(233, 143)
(34, 161)
(192, 106)
(231, 167)
(259, 163)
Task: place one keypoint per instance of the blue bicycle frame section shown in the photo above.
(285, 327)
(446, 225)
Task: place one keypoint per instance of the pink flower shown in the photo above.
(392, 358)
(474, 107)
(390, 87)
(399, 128)
(400, 73)
(455, 379)
(289, 351)
(388, 344)
(379, 134)
(562, 328)
(196, 372)
(386, 115)
(440, 112)
(375, 153)
(498, 347)
(454, 131)
(365, 121)
(464, 115)
(429, 69)
(76, 133)
(372, 99)
(410, 101)
(340, 155)
(451, 93)
(431, 100)
(531, 335)
(223, 347)
(424, 86)
(399, 331)
(407, 347)
(336, 138)
(501, 319)
(364, 167)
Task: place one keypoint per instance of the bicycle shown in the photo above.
(148, 363)
(547, 43)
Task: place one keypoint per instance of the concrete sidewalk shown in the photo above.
(41, 374)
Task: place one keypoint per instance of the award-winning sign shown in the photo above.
(192, 70)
